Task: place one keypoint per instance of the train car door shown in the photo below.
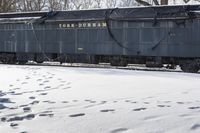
(179, 38)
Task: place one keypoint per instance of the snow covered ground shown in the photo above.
(50, 99)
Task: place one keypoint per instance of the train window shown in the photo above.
(94, 24)
(89, 24)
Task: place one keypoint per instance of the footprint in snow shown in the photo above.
(41, 84)
(92, 101)
(5, 100)
(139, 109)
(23, 105)
(197, 107)
(34, 102)
(11, 85)
(127, 101)
(77, 115)
(21, 118)
(107, 110)
(167, 101)
(47, 87)
(26, 109)
(43, 94)
(119, 130)
(15, 89)
(17, 94)
(75, 101)
(2, 94)
(27, 77)
(24, 132)
(14, 125)
(154, 117)
(65, 102)
(195, 126)
(3, 119)
(2, 107)
(162, 106)
(24, 83)
(49, 102)
(32, 97)
(46, 114)
(39, 79)
(13, 108)
(66, 88)
(180, 102)
(46, 81)
(133, 102)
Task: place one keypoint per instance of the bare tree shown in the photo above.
(7, 5)
(156, 2)
(127, 3)
(66, 4)
(76, 4)
(87, 4)
(111, 3)
(81, 4)
(97, 3)
(54, 4)
(30, 5)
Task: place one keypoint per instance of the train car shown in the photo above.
(153, 35)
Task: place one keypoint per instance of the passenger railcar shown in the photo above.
(153, 36)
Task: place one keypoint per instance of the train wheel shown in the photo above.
(9, 61)
(22, 62)
(114, 63)
(122, 63)
(171, 66)
(190, 66)
(39, 62)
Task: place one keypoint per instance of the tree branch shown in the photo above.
(144, 3)
(156, 2)
(186, 1)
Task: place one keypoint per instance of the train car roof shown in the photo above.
(133, 13)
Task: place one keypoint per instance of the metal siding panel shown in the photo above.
(66, 40)
(51, 44)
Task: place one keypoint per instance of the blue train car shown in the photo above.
(153, 36)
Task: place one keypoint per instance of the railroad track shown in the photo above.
(135, 67)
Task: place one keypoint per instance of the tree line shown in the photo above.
(39, 5)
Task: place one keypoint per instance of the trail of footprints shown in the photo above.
(43, 82)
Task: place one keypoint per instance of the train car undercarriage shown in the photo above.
(191, 65)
